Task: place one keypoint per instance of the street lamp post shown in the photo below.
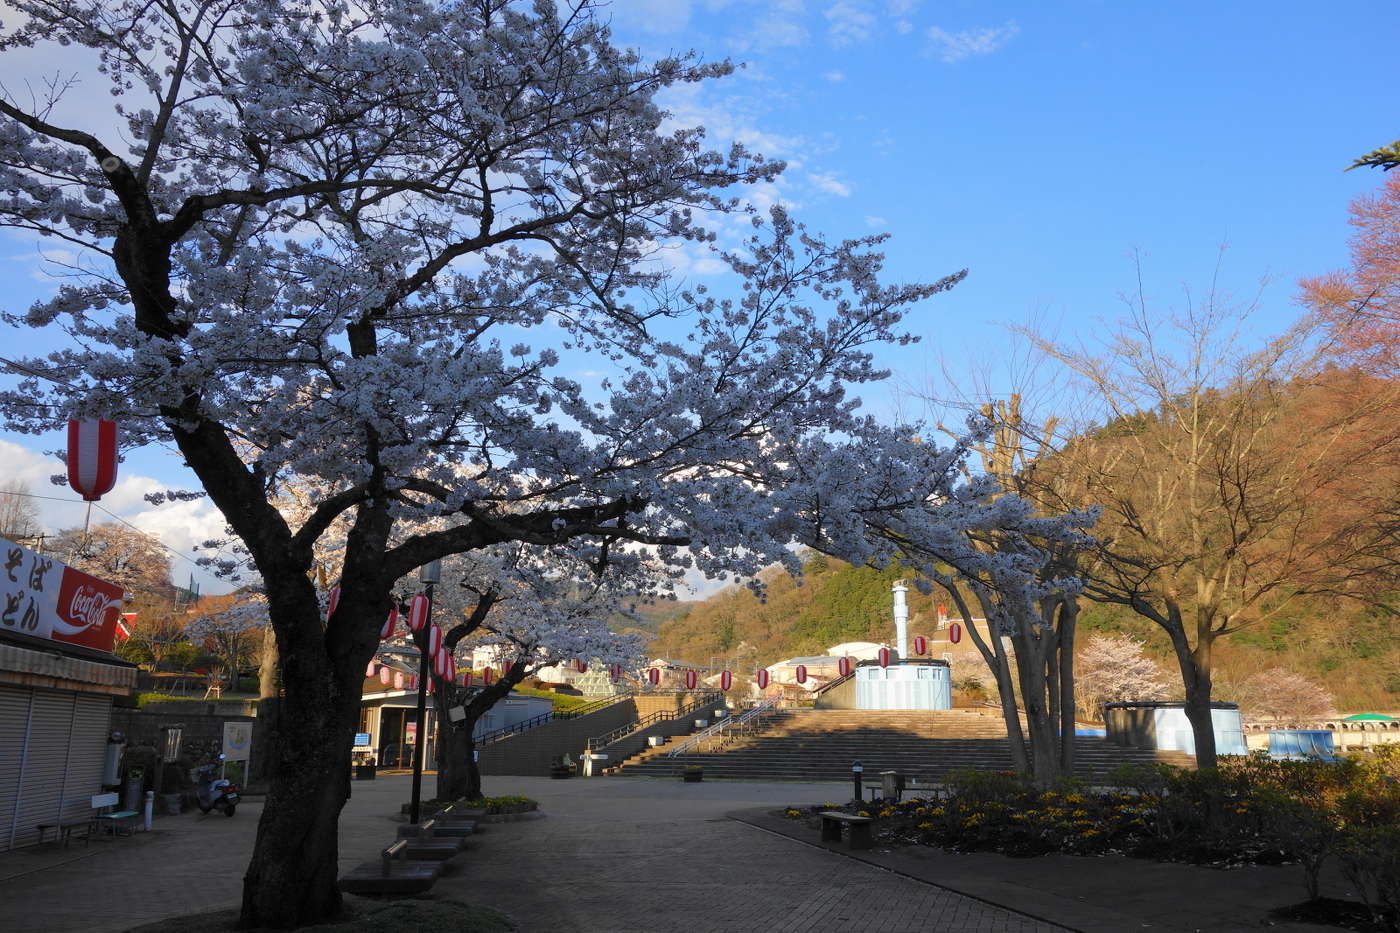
(428, 575)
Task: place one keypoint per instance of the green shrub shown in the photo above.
(1370, 858)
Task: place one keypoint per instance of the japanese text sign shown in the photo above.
(45, 598)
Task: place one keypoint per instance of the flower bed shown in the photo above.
(1248, 811)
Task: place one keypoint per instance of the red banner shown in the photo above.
(42, 597)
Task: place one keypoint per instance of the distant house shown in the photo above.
(858, 650)
(821, 669)
(672, 672)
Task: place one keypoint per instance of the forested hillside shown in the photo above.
(1348, 648)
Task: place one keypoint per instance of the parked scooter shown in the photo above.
(214, 793)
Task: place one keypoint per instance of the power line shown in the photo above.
(100, 508)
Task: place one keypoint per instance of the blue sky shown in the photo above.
(1037, 145)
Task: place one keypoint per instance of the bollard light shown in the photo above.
(856, 769)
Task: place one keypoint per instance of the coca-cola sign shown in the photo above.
(45, 598)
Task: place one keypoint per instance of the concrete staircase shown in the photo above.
(820, 745)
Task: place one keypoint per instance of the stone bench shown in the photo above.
(393, 874)
(858, 835)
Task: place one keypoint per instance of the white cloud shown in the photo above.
(873, 221)
(178, 525)
(835, 77)
(825, 181)
(903, 27)
(953, 47)
(848, 22)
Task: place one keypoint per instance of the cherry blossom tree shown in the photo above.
(541, 608)
(320, 246)
(1281, 695)
(230, 627)
(1113, 668)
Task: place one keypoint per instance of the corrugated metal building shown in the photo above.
(55, 712)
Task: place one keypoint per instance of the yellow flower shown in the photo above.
(926, 826)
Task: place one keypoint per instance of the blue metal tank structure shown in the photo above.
(907, 684)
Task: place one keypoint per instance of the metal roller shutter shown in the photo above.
(41, 784)
(92, 716)
(14, 717)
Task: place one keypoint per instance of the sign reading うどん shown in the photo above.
(45, 598)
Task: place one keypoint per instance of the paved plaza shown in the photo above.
(632, 855)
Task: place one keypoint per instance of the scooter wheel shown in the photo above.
(228, 810)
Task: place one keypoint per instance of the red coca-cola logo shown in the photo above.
(88, 606)
(87, 610)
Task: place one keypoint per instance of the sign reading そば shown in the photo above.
(45, 598)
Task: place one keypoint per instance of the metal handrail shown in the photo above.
(524, 725)
(593, 707)
(607, 738)
(724, 725)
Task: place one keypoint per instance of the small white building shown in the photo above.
(858, 650)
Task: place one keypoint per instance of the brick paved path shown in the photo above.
(612, 854)
(619, 855)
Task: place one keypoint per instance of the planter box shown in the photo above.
(365, 772)
(561, 771)
(656, 740)
(693, 777)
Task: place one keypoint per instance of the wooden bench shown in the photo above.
(394, 873)
(423, 846)
(103, 815)
(63, 831)
(858, 835)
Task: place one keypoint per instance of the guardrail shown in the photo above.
(728, 726)
(607, 738)
(495, 735)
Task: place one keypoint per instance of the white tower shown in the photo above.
(901, 619)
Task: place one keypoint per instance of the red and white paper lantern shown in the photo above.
(884, 657)
(802, 673)
(487, 675)
(332, 601)
(385, 676)
(398, 680)
(581, 666)
(615, 672)
(417, 613)
(92, 457)
(369, 671)
(843, 667)
(386, 631)
(942, 613)
(691, 678)
(654, 675)
(726, 680)
(955, 633)
(466, 678)
(920, 644)
(434, 639)
(506, 668)
(761, 678)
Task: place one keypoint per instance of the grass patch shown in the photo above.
(399, 916)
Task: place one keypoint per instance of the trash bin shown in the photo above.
(132, 793)
(891, 785)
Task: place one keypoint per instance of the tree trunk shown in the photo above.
(455, 747)
(459, 778)
(1195, 677)
(1198, 712)
(291, 878)
(1068, 621)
